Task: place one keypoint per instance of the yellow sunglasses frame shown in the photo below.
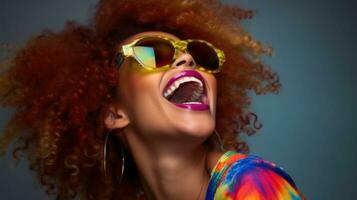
(127, 51)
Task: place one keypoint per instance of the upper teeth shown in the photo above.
(178, 82)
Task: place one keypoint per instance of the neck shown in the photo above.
(170, 169)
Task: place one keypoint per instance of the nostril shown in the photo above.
(181, 63)
(192, 63)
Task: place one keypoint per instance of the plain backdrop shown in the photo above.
(309, 128)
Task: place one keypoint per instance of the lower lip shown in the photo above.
(196, 107)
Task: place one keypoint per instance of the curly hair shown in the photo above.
(60, 84)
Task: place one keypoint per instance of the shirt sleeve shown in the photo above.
(253, 178)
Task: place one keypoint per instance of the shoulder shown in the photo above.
(243, 176)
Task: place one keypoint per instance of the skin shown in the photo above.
(165, 141)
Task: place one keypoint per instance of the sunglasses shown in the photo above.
(157, 53)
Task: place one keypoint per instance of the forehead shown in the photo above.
(149, 33)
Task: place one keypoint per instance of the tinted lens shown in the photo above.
(204, 55)
(154, 52)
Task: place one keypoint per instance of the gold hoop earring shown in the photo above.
(221, 146)
(105, 157)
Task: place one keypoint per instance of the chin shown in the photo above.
(203, 127)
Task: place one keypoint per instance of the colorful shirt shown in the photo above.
(238, 176)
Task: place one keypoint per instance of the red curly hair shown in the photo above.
(60, 84)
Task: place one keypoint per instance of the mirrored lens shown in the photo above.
(145, 55)
(155, 52)
(204, 55)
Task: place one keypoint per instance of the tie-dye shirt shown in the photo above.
(238, 176)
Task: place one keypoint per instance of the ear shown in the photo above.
(116, 118)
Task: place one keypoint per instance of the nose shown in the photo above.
(184, 60)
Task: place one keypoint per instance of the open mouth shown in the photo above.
(187, 90)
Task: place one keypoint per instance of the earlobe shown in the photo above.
(116, 118)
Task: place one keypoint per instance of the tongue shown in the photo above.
(185, 93)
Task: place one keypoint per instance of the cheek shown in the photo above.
(212, 88)
(139, 92)
(136, 84)
(143, 104)
(212, 83)
(131, 83)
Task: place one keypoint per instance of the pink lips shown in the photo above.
(192, 73)
(199, 107)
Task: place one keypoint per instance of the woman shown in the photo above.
(140, 104)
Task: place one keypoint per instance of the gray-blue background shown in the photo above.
(309, 128)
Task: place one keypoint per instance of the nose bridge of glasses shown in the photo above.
(180, 45)
(181, 56)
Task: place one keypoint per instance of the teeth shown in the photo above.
(196, 95)
(177, 83)
(192, 102)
